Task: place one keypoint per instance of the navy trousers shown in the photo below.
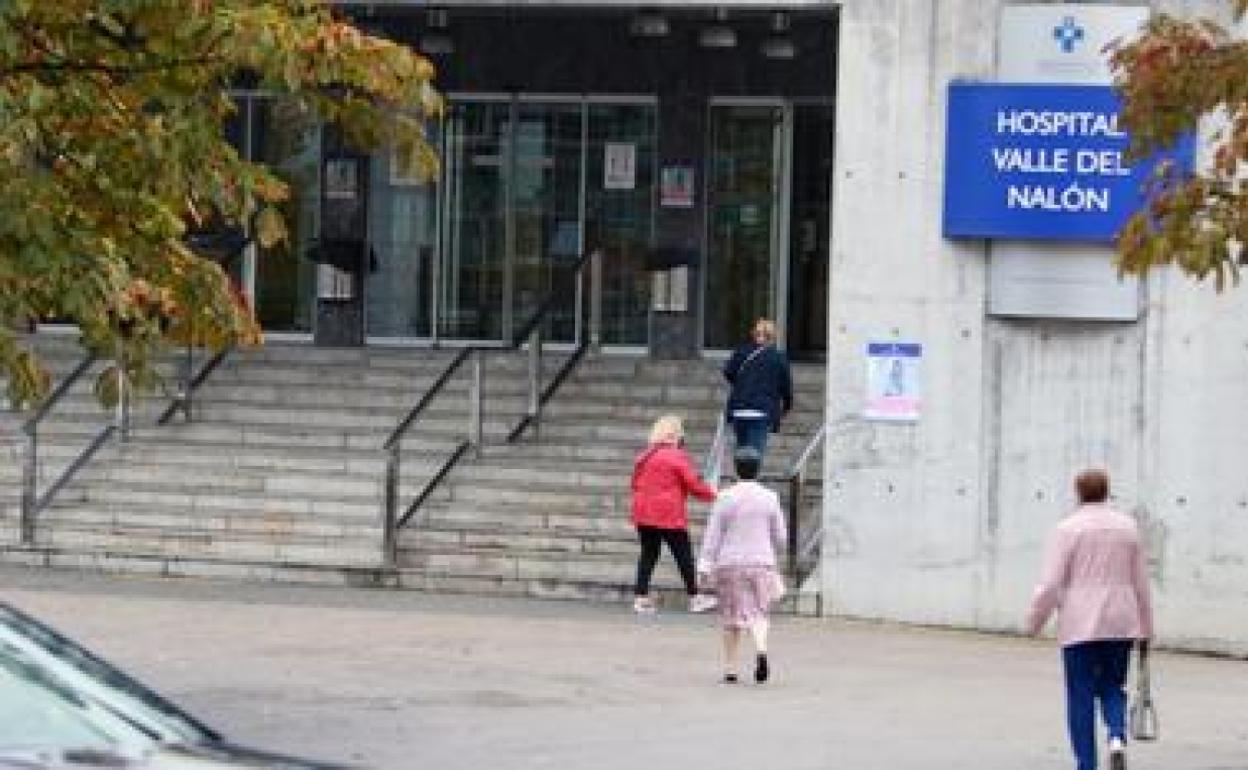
(1095, 671)
(752, 431)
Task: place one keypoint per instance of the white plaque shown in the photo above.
(1064, 42)
(619, 166)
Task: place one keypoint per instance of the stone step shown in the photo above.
(194, 543)
(331, 462)
(213, 501)
(666, 589)
(510, 394)
(240, 524)
(500, 540)
(518, 564)
(227, 479)
(358, 420)
(422, 367)
(447, 516)
(702, 371)
(348, 575)
(243, 522)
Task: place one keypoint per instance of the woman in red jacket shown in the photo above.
(663, 478)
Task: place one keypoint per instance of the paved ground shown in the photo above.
(401, 680)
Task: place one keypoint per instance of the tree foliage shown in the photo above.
(1179, 77)
(112, 149)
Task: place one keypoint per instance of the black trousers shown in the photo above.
(652, 539)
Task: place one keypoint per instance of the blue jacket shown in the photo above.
(762, 382)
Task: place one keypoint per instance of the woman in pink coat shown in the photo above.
(1095, 577)
(663, 478)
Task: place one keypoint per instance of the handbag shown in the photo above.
(1142, 715)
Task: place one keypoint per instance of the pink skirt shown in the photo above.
(745, 594)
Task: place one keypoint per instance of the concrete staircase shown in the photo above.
(548, 516)
(280, 475)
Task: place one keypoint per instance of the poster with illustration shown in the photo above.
(893, 381)
(676, 187)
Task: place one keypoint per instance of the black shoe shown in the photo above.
(730, 678)
(1117, 760)
(761, 669)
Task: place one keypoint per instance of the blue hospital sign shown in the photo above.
(1031, 161)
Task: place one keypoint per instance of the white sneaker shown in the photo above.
(702, 603)
(644, 605)
(1117, 754)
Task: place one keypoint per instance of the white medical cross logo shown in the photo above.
(1067, 34)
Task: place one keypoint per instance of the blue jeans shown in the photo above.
(752, 431)
(1095, 671)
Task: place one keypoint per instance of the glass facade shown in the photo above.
(547, 156)
(525, 190)
(744, 252)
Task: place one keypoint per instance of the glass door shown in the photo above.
(747, 220)
(403, 230)
(286, 138)
(477, 162)
(620, 210)
(545, 212)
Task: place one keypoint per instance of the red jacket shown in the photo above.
(663, 477)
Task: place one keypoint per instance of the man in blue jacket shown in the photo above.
(762, 387)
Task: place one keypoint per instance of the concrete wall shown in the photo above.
(945, 521)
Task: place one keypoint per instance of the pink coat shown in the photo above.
(1096, 578)
(663, 477)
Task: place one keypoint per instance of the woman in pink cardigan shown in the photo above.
(1095, 577)
(739, 549)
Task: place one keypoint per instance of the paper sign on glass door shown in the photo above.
(619, 166)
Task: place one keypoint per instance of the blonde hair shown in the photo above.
(668, 429)
(765, 328)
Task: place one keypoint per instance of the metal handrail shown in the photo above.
(529, 420)
(408, 420)
(235, 243)
(530, 331)
(796, 479)
(187, 384)
(800, 545)
(33, 503)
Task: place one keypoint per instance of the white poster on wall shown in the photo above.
(894, 391)
(619, 166)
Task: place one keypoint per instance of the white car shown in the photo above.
(62, 706)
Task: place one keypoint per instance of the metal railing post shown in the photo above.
(121, 416)
(595, 299)
(535, 378)
(796, 490)
(188, 372)
(476, 407)
(30, 477)
(389, 533)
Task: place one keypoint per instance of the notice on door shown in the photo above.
(619, 166)
(676, 187)
(893, 386)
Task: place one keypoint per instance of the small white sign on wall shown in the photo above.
(1063, 42)
(619, 166)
